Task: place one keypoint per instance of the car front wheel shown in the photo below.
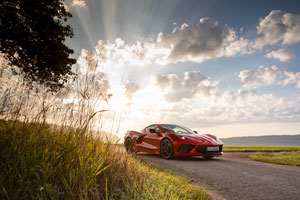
(166, 149)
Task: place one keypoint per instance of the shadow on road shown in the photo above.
(182, 158)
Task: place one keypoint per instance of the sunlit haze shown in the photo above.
(229, 68)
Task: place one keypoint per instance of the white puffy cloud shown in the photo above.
(276, 27)
(263, 76)
(192, 98)
(229, 107)
(267, 76)
(79, 3)
(205, 40)
(240, 46)
(190, 85)
(248, 106)
(281, 54)
(293, 79)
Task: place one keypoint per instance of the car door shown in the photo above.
(151, 141)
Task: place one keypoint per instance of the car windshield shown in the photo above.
(176, 129)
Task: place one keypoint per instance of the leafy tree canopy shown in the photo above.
(32, 38)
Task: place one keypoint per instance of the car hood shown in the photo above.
(207, 139)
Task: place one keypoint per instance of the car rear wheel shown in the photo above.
(166, 149)
(129, 145)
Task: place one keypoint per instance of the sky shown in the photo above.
(229, 68)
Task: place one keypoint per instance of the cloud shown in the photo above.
(280, 54)
(205, 40)
(293, 79)
(263, 76)
(131, 88)
(267, 76)
(78, 3)
(192, 97)
(190, 85)
(229, 107)
(244, 106)
(240, 46)
(276, 27)
(137, 54)
(69, 4)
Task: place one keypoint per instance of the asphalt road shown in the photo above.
(234, 177)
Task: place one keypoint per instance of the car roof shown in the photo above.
(169, 124)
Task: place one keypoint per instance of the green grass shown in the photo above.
(149, 182)
(250, 148)
(284, 158)
(37, 163)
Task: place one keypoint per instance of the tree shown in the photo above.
(32, 38)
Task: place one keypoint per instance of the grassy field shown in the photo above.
(284, 158)
(285, 155)
(250, 148)
(37, 163)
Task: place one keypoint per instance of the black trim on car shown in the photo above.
(139, 139)
(185, 148)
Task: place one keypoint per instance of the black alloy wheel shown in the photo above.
(166, 149)
(129, 145)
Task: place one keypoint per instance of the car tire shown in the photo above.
(208, 157)
(129, 145)
(166, 149)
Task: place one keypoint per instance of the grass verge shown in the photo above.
(284, 158)
(252, 148)
(37, 163)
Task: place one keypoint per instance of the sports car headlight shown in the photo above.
(183, 137)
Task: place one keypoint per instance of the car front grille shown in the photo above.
(185, 148)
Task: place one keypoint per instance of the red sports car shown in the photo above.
(171, 140)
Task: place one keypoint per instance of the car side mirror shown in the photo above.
(196, 132)
(152, 130)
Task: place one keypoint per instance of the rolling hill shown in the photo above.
(263, 140)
